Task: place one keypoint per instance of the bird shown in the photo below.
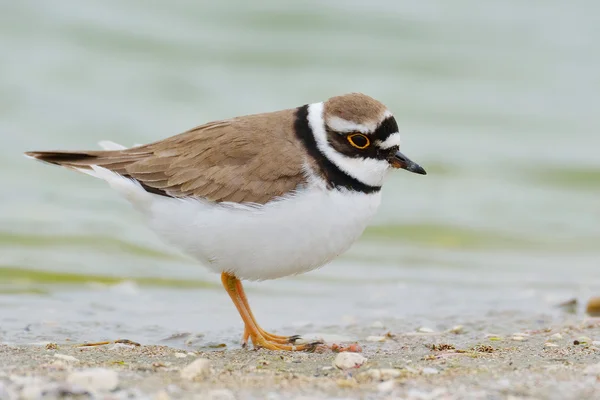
(261, 196)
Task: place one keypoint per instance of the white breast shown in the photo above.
(284, 237)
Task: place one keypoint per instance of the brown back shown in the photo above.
(254, 158)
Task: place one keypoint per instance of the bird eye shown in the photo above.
(359, 141)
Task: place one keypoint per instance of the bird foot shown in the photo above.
(278, 339)
(260, 342)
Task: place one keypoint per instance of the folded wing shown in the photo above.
(239, 160)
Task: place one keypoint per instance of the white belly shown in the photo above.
(285, 237)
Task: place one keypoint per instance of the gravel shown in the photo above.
(451, 364)
(349, 360)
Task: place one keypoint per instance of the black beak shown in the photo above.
(399, 160)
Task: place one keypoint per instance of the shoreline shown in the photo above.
(561, 361)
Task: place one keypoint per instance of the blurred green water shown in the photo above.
(493, 99)
(497, 100)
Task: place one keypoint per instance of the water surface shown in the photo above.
(498, 101)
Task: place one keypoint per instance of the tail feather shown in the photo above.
(109, 165)
(66, 158)
(113, 160)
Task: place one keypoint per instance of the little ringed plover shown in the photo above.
(259, 196)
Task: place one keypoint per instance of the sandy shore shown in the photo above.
(559, 361)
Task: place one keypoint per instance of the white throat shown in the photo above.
(369, 171)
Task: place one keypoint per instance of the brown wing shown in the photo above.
(247, 159)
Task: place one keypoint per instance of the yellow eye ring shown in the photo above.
(359, 141)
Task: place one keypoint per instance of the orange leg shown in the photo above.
(269, 336)
(259, 337)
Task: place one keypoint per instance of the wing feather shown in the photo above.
(254, 159)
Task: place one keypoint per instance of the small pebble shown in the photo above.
(327, 368)
(429, 371)
(197, 369)
(548, 344)
(65, 357)
(119, 346)
(348, 360)
(425, 330)
(180, 355)
(556, 336)
(95, 379)
(386, 387)
(375, 338)
(593, 307)
(458, 329)
(221, 394)
(519, 338)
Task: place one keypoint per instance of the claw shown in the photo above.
(293, 339)
(312, 347)
(316, 345)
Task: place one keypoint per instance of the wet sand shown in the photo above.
(479, 360)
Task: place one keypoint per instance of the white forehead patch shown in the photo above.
(341, 125)
(391, 141)
(369, 171)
